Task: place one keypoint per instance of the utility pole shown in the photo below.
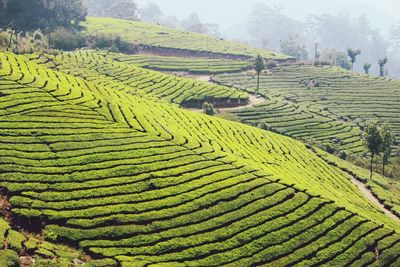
(316, 53)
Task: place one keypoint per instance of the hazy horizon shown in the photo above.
(381, 14)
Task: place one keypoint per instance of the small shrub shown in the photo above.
(329, 148)
(9, 258)
(208, 108)
(64, 39)
(343, 155)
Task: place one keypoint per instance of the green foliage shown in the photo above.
(21, 15)
(382, 70)
(27, 42)
(92, 146)
(151, 36)
(387, 146)
(208, 108)
(342, 61)
(366, 67)
(373, 140)
(329, 113)
(191, 65)
(259, 66)
(292, 48)
(64, 39)
(9, 258)
(352, 53)
(113, 43)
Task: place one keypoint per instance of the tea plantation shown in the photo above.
(190, 65)
(332, 110)
(163, 39)
(130, 78)
(94, 149)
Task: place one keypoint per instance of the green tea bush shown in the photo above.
(68, 40)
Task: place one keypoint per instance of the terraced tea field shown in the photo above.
(135, 80)
(190, 65)
(167, 40)
(330, 113)
(133, 178)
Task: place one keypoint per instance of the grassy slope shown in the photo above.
(147, 182)
(163, 37)
(191, 65)
(333, 110)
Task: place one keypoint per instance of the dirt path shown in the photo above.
(368, 194)
(365, 191)
(202, 78)
(253, 100)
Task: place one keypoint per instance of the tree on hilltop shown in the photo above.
(382, 62)
(292, 48)
(151, 13)
(123, 10)
(366, 67)
(353, 53)
(373, 140)
(259, 66)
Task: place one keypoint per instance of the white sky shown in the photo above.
(227, 13)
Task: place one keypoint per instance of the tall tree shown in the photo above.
(259, 66)
(193, 24)
(388, 141)
(353, 53)
(366, 67)
(267, 26)
(292, 48)
(122, 9)
(382, 62)
(151, 13)
(373, 140)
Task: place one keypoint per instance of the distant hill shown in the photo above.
(168, 41)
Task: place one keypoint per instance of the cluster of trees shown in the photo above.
(269, 28)
(379, 138)
(122, 9)
(27, 25)
(22, 15)
(151, 12)
(352, 57)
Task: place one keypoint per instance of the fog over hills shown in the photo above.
(381, 13)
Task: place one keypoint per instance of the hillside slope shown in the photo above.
(145, 182)
(331, 112)
(106, 70)
(156, 38)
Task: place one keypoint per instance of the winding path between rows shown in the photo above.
(365, 191)
(368, 194)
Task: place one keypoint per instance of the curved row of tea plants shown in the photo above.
(190, 65)
(174, 41)
(145, 182)
(342, 98)
(298, 121)
(44, 254)
(101, 67)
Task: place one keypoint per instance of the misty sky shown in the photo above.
(228, 13)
